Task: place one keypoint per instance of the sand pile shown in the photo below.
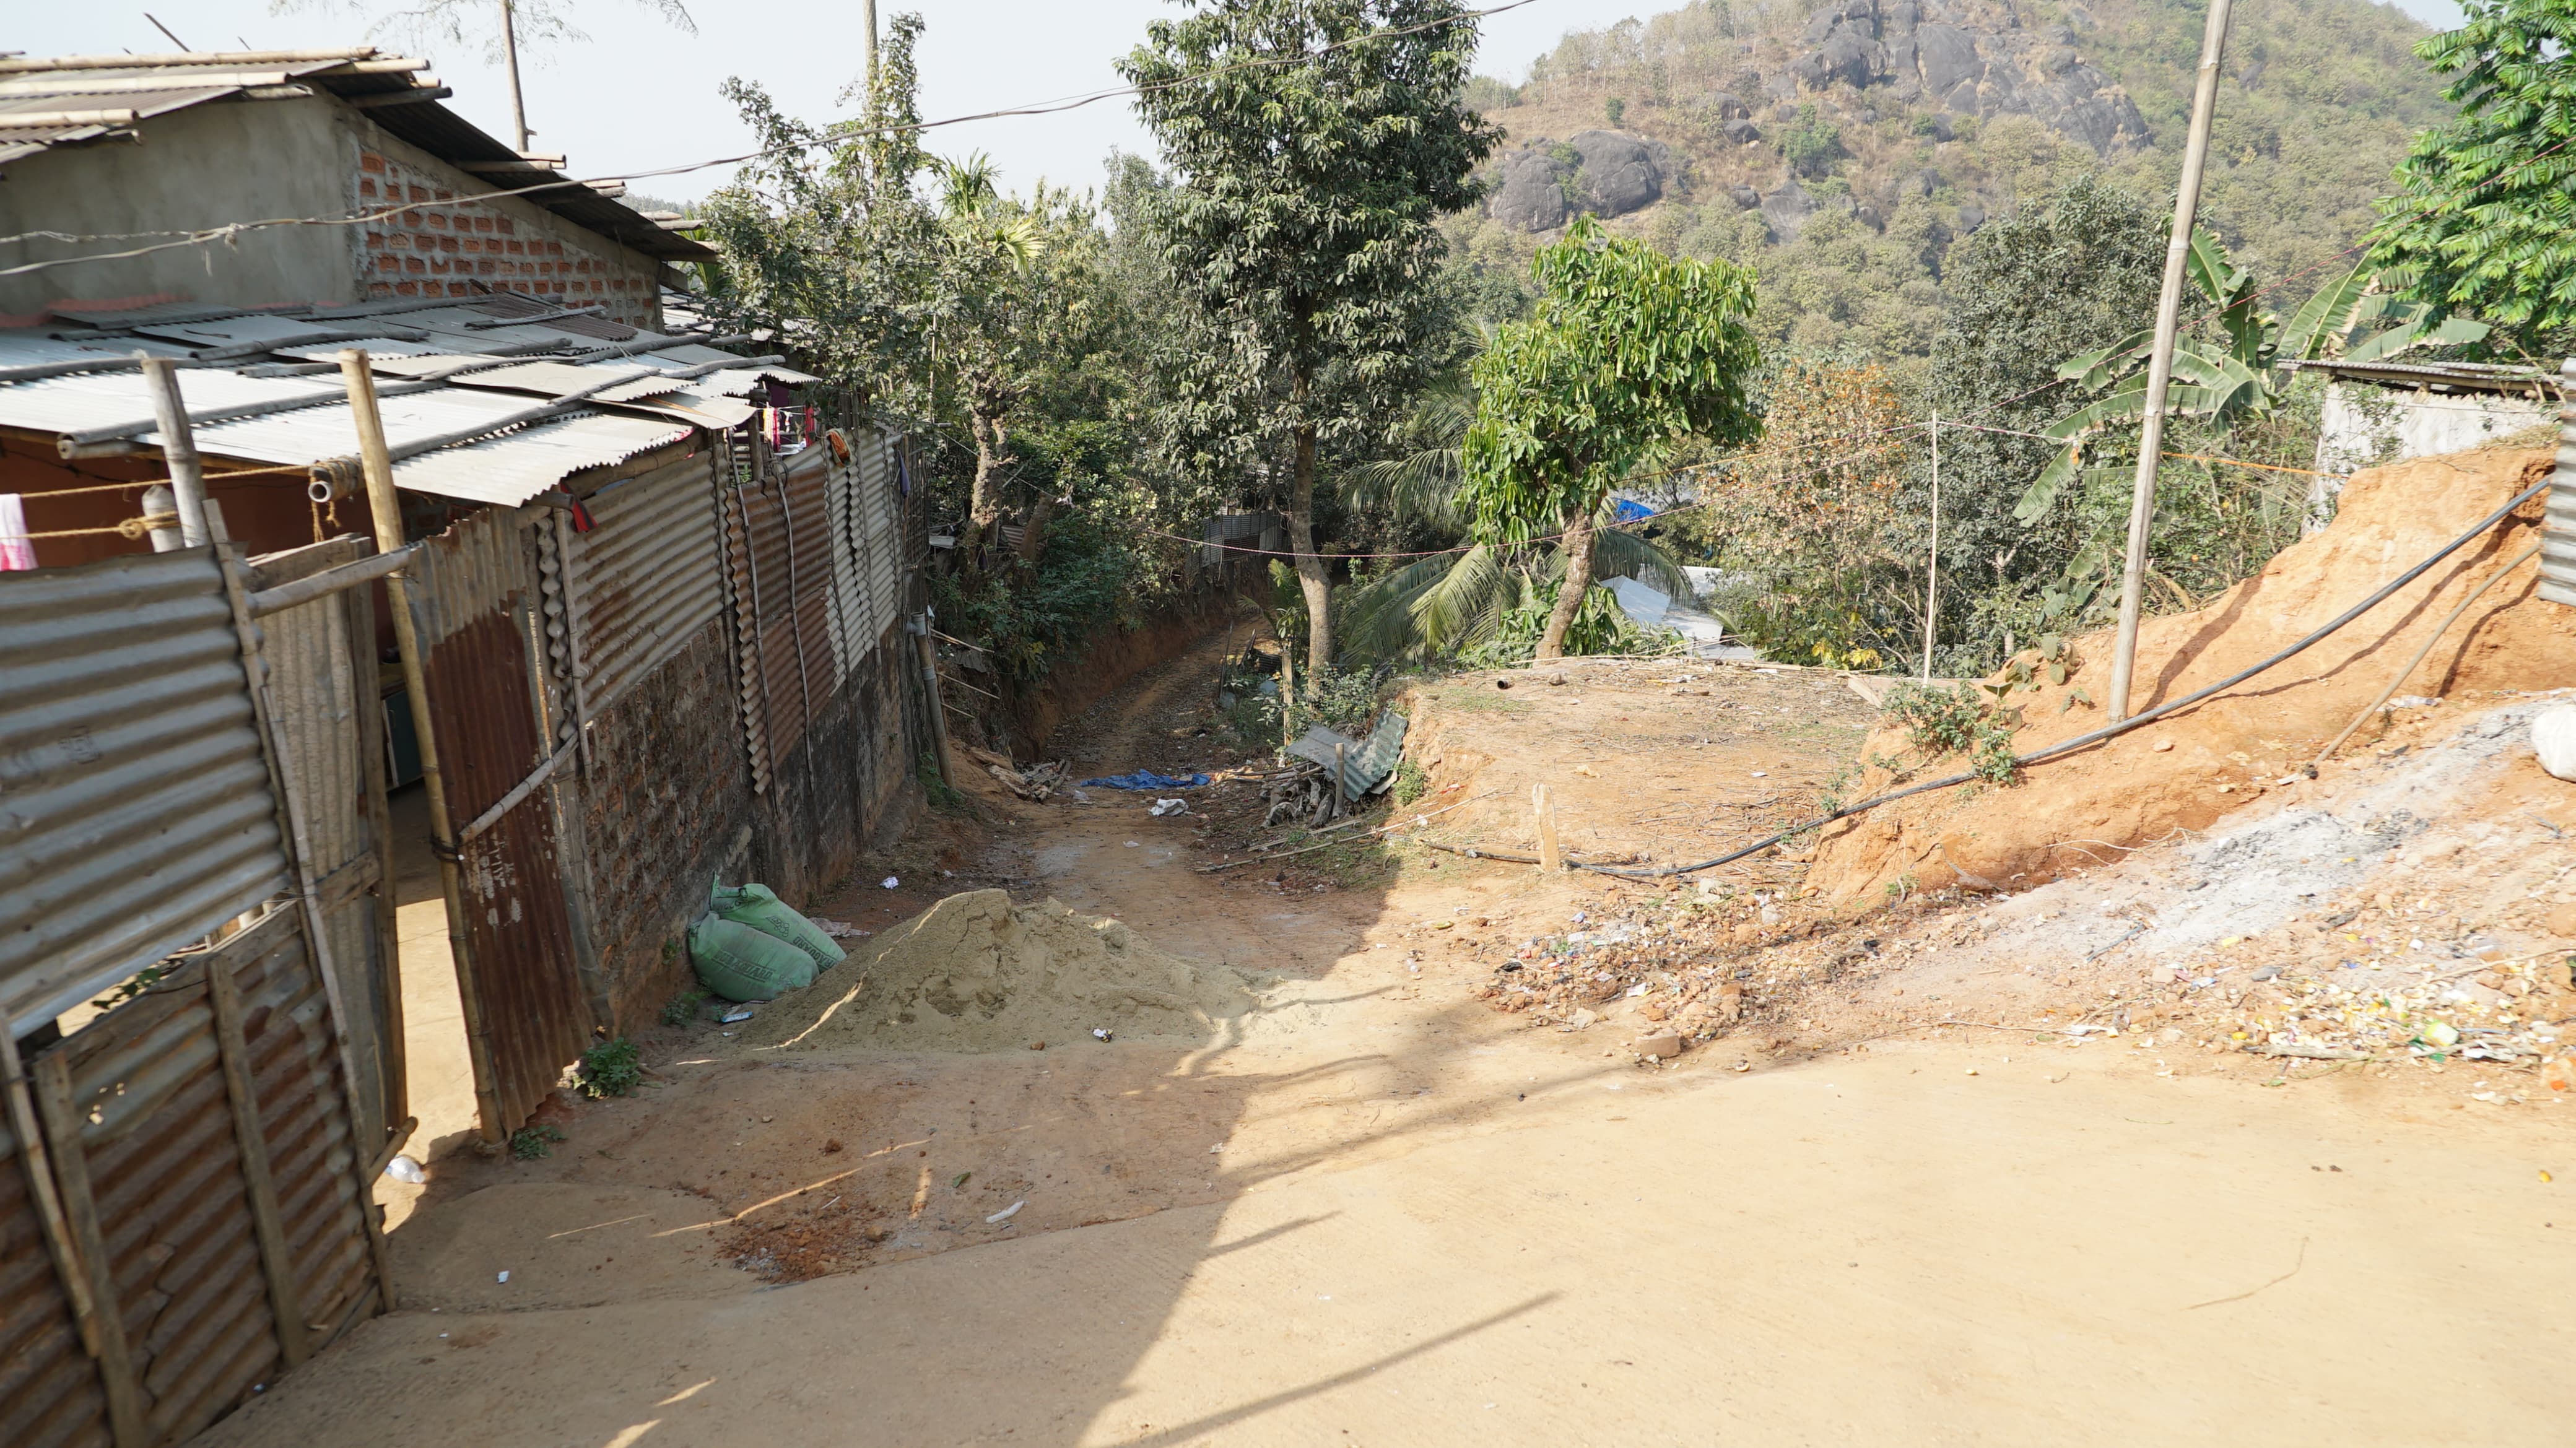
(2185, 772)
(978, 973)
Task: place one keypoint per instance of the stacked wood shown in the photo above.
(1036, 782)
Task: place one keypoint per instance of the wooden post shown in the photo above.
(938, 718)
(1549, 857)
(386, 507)
(317, 930)
(40, 1188)
(285, 1301)
(178, 449)
(1341, 776)
(126, 1418)
(1932, 574)
(2151, 434)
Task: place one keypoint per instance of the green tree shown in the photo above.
(823, 242)
(1631, 352)
(1313, 145)
(2484, 216)
(2027, 291)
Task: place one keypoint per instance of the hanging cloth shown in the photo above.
(17, 550)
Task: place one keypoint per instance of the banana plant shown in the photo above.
(2237, 379)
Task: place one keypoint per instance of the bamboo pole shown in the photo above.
(386, 507)
(127, 1420)
(40, 1187)
(2151, 441)
(1544, 804)
(1932, 575)
(178, 448)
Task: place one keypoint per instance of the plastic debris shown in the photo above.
(1005, 1214)
(890, 882)
(404, 1169)
(505, 1277)
(737, 1014)
(1100, 1033)
(1145, 779)
(1169, 807)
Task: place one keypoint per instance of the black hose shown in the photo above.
(2108, 731)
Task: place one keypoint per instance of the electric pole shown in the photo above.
(510, 57)
(2151, 439)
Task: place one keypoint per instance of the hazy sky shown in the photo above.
(639, 94)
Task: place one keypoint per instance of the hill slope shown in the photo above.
(1845, 148)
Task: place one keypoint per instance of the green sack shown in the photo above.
(760, 908)
(743, 964)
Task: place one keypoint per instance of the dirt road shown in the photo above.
(1378, 1211)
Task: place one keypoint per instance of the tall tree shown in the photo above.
(2484, 217)
(1313, 143)
(2026, 292)
(1631, 352)
(824, 243)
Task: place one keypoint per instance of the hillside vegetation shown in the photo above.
(1845, 148)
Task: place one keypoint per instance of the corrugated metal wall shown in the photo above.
(134, 807)
(778, 545)
(324, 701)
(153, 1156)
(866, 552)
(646, 577)
(2558, 535)
(476, 596)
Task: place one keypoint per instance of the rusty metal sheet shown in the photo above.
(476, 592)
(135, 813)
(867, 549)
(2558, 530)
(164, 1165)
(323, 708)
(50, 1395)
(647, 576)
(881, 517)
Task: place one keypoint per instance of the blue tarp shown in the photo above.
(1148, 779)
(1631, 511)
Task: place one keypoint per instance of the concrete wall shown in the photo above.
(229, 161)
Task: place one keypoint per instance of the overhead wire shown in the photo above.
(837, 134)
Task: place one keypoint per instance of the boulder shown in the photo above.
(1787, 210)
(1742, 132)
(1744, 197)
(1726, 107)
(1531, 193)
(1623, 173)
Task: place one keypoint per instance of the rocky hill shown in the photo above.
(1844, 148)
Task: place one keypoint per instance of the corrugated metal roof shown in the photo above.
(515, 468)
(77, 99)
(2440, 376)
(311, 423)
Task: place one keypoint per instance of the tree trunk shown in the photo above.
(1578, 582)
(984, 508)
(1312, 577)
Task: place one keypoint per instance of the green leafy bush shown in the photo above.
(1957, 721)
(530, 1142)
(611, 1068)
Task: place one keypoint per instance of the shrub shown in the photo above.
(611, 1068)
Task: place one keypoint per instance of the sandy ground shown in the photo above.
(1379, 1210)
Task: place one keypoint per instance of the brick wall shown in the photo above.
(458, 251)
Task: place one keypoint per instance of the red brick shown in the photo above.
(415, 265)
(508, 228)
(419, 193)
(482, 223)
(370, 161)
(406, 289)
(389, 263)
(411, 218)
(366, 187)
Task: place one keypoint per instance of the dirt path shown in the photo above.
(1378, 1211)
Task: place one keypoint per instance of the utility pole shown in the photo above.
(2151, 439)
(510, 57)
(1932, 574)
(868, 52)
